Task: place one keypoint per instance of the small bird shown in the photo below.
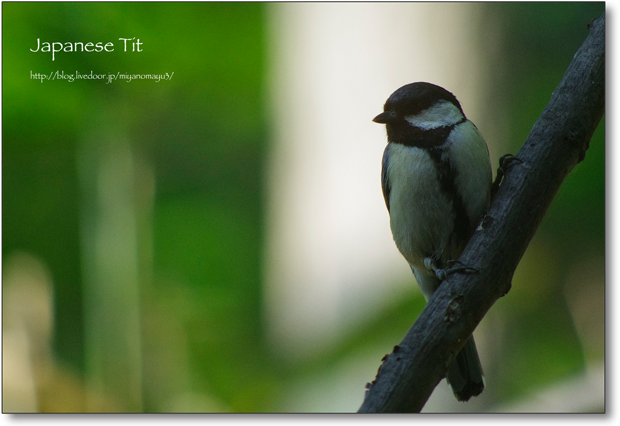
(436, 179)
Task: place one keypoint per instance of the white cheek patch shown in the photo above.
(443, 113)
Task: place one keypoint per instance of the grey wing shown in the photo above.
(385, 181)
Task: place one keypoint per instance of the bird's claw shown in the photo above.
(505, 162)
(442, 274)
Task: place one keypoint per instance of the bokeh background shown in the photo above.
(218, 242)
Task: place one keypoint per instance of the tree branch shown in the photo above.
(557, 142)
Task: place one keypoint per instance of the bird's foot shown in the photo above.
(443, 273)
(505, 162)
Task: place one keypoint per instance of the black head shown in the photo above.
(411, 99)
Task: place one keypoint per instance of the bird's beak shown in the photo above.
(384, 117)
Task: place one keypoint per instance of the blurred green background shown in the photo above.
(159, 188)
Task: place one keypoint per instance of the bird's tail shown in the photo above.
(465, 373)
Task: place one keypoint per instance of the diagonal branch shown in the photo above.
(557, 142)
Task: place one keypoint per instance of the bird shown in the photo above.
(436, 179)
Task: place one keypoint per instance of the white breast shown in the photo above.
(421, 215)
